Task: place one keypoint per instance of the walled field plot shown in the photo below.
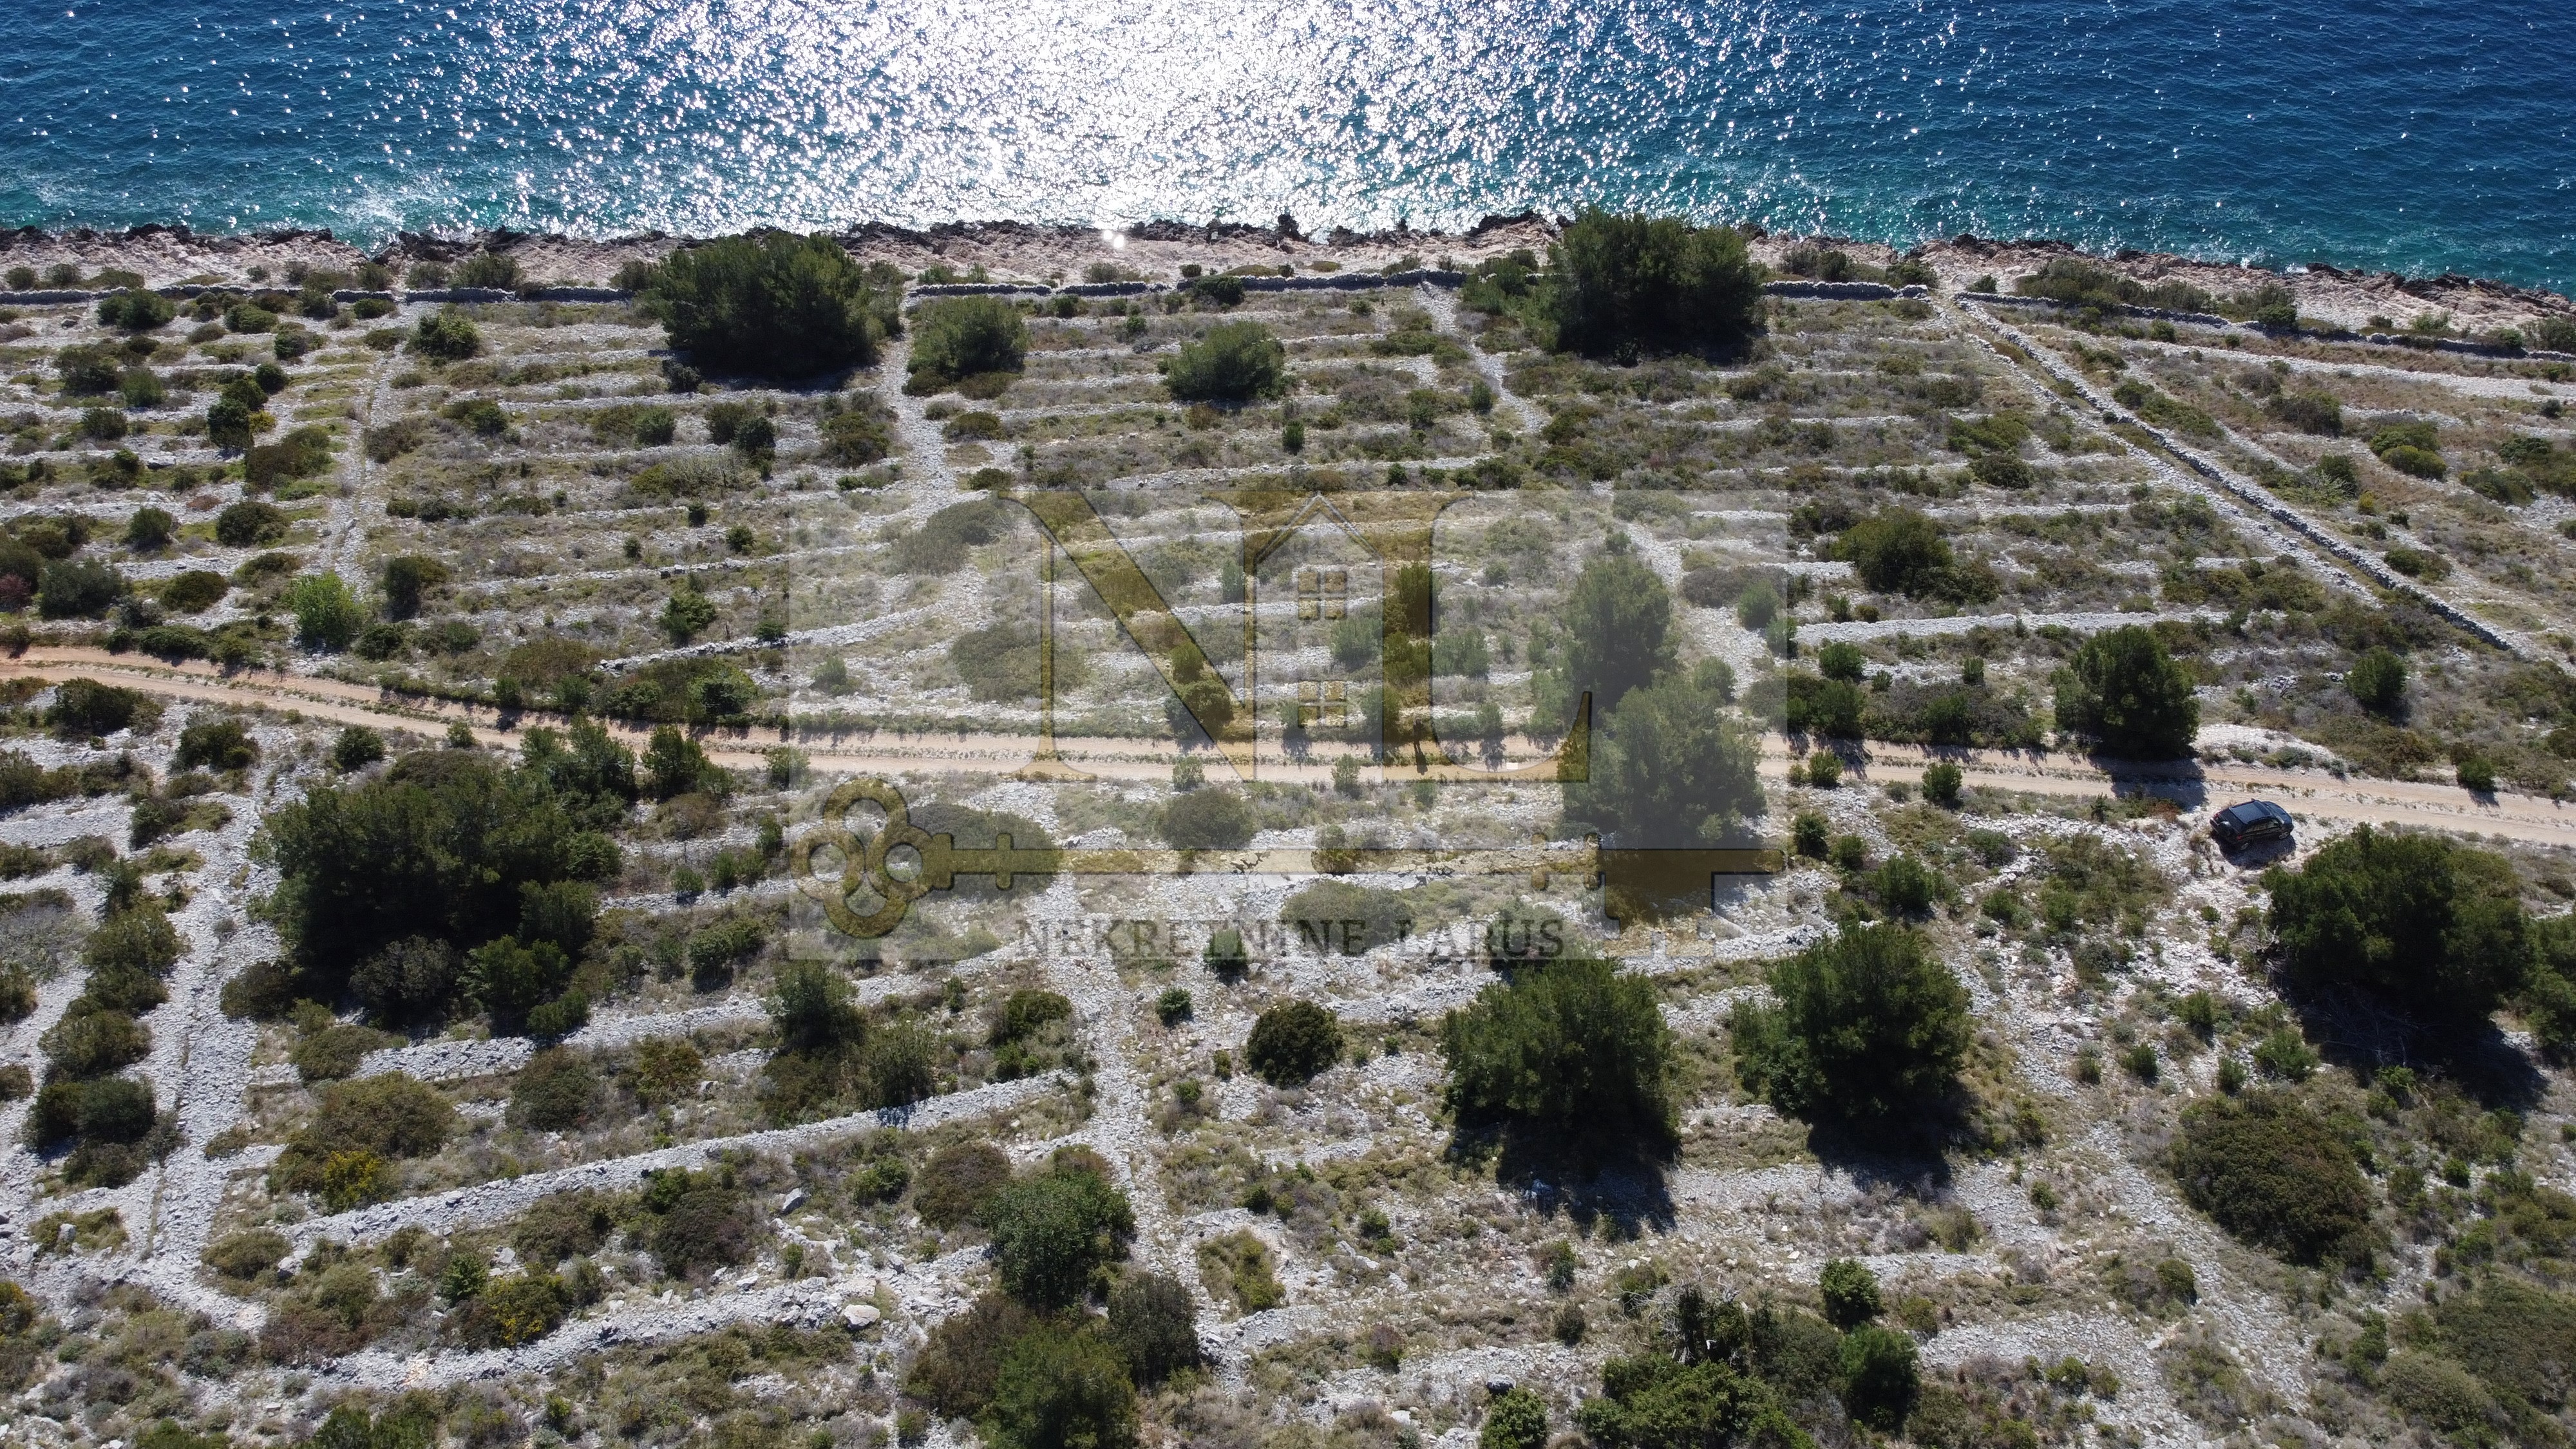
(490, 1069)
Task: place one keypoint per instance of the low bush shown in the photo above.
(85, 708)
(250, 524)
(556, 1091)
(699, 1221)
(958, 1180)
(135, 310)
(1238, 1267)
(1208, 819)
(364, 1121)
(961, 1360)
(486, 269)
(2081, 283)
(77, 588)
(447, 335)
(336, 1051)
(2309, 412)
(1234, 362)
(2267, 1170)
(954, 338)
(303, 453)
(858, 435)
(1292, 1042)
(215, 744)
(246, 1255)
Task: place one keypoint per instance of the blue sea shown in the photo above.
(2420, 137)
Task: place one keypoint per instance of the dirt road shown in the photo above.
(2309, 794)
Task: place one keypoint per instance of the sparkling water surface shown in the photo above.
(2419, 137)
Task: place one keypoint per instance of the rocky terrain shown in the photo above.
(1895, 520)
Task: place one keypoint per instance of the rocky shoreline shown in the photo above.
(1008, 251)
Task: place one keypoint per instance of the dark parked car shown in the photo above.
(2238, 826)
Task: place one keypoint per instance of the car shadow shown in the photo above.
(2260, 854)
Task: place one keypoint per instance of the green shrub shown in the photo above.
(2516, 1338)
(229, 425)
(1208, 819)
(447, 335)
(1154, 1325)
(250, 523)
(486, 269)
(87, 370)
(962, 1359)
(1052, 1230)
(959, 337)
(135, 310)
(1850, 1293)
(2416, 563)
(139, 940)
(1900, 551)
(1291, 1042)
(1025, 1011)
(2309, 412)
(1238, 1266)
(1574, 1048)
(2003, 470)
(1516, 1419)
(1941, 784)
(2377, 681)
(246, 1255)
(773, 305)
(77, 588)
(1653, 1401)
(357, 1126)
(2124, 692)
(555, 1092)
(2416, 462)
(1235, 362)
(2429, 926)
(1868, 1026)
(1879, 1376)
(84, 708)
(2269, 1171)
(1620, 284)
(2081, 283)
(1060, 1385)
(1332, 916)
(700, 1221)
(215, 744)
(635, 424)
(141, 387)
(406, 579)
(440, 847)
(336, 1051)
(327, 615)
(858, 435)
(150, 530)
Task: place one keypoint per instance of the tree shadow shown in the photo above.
(1908, 1154)
(1622, 1182)
(2362, 1034)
